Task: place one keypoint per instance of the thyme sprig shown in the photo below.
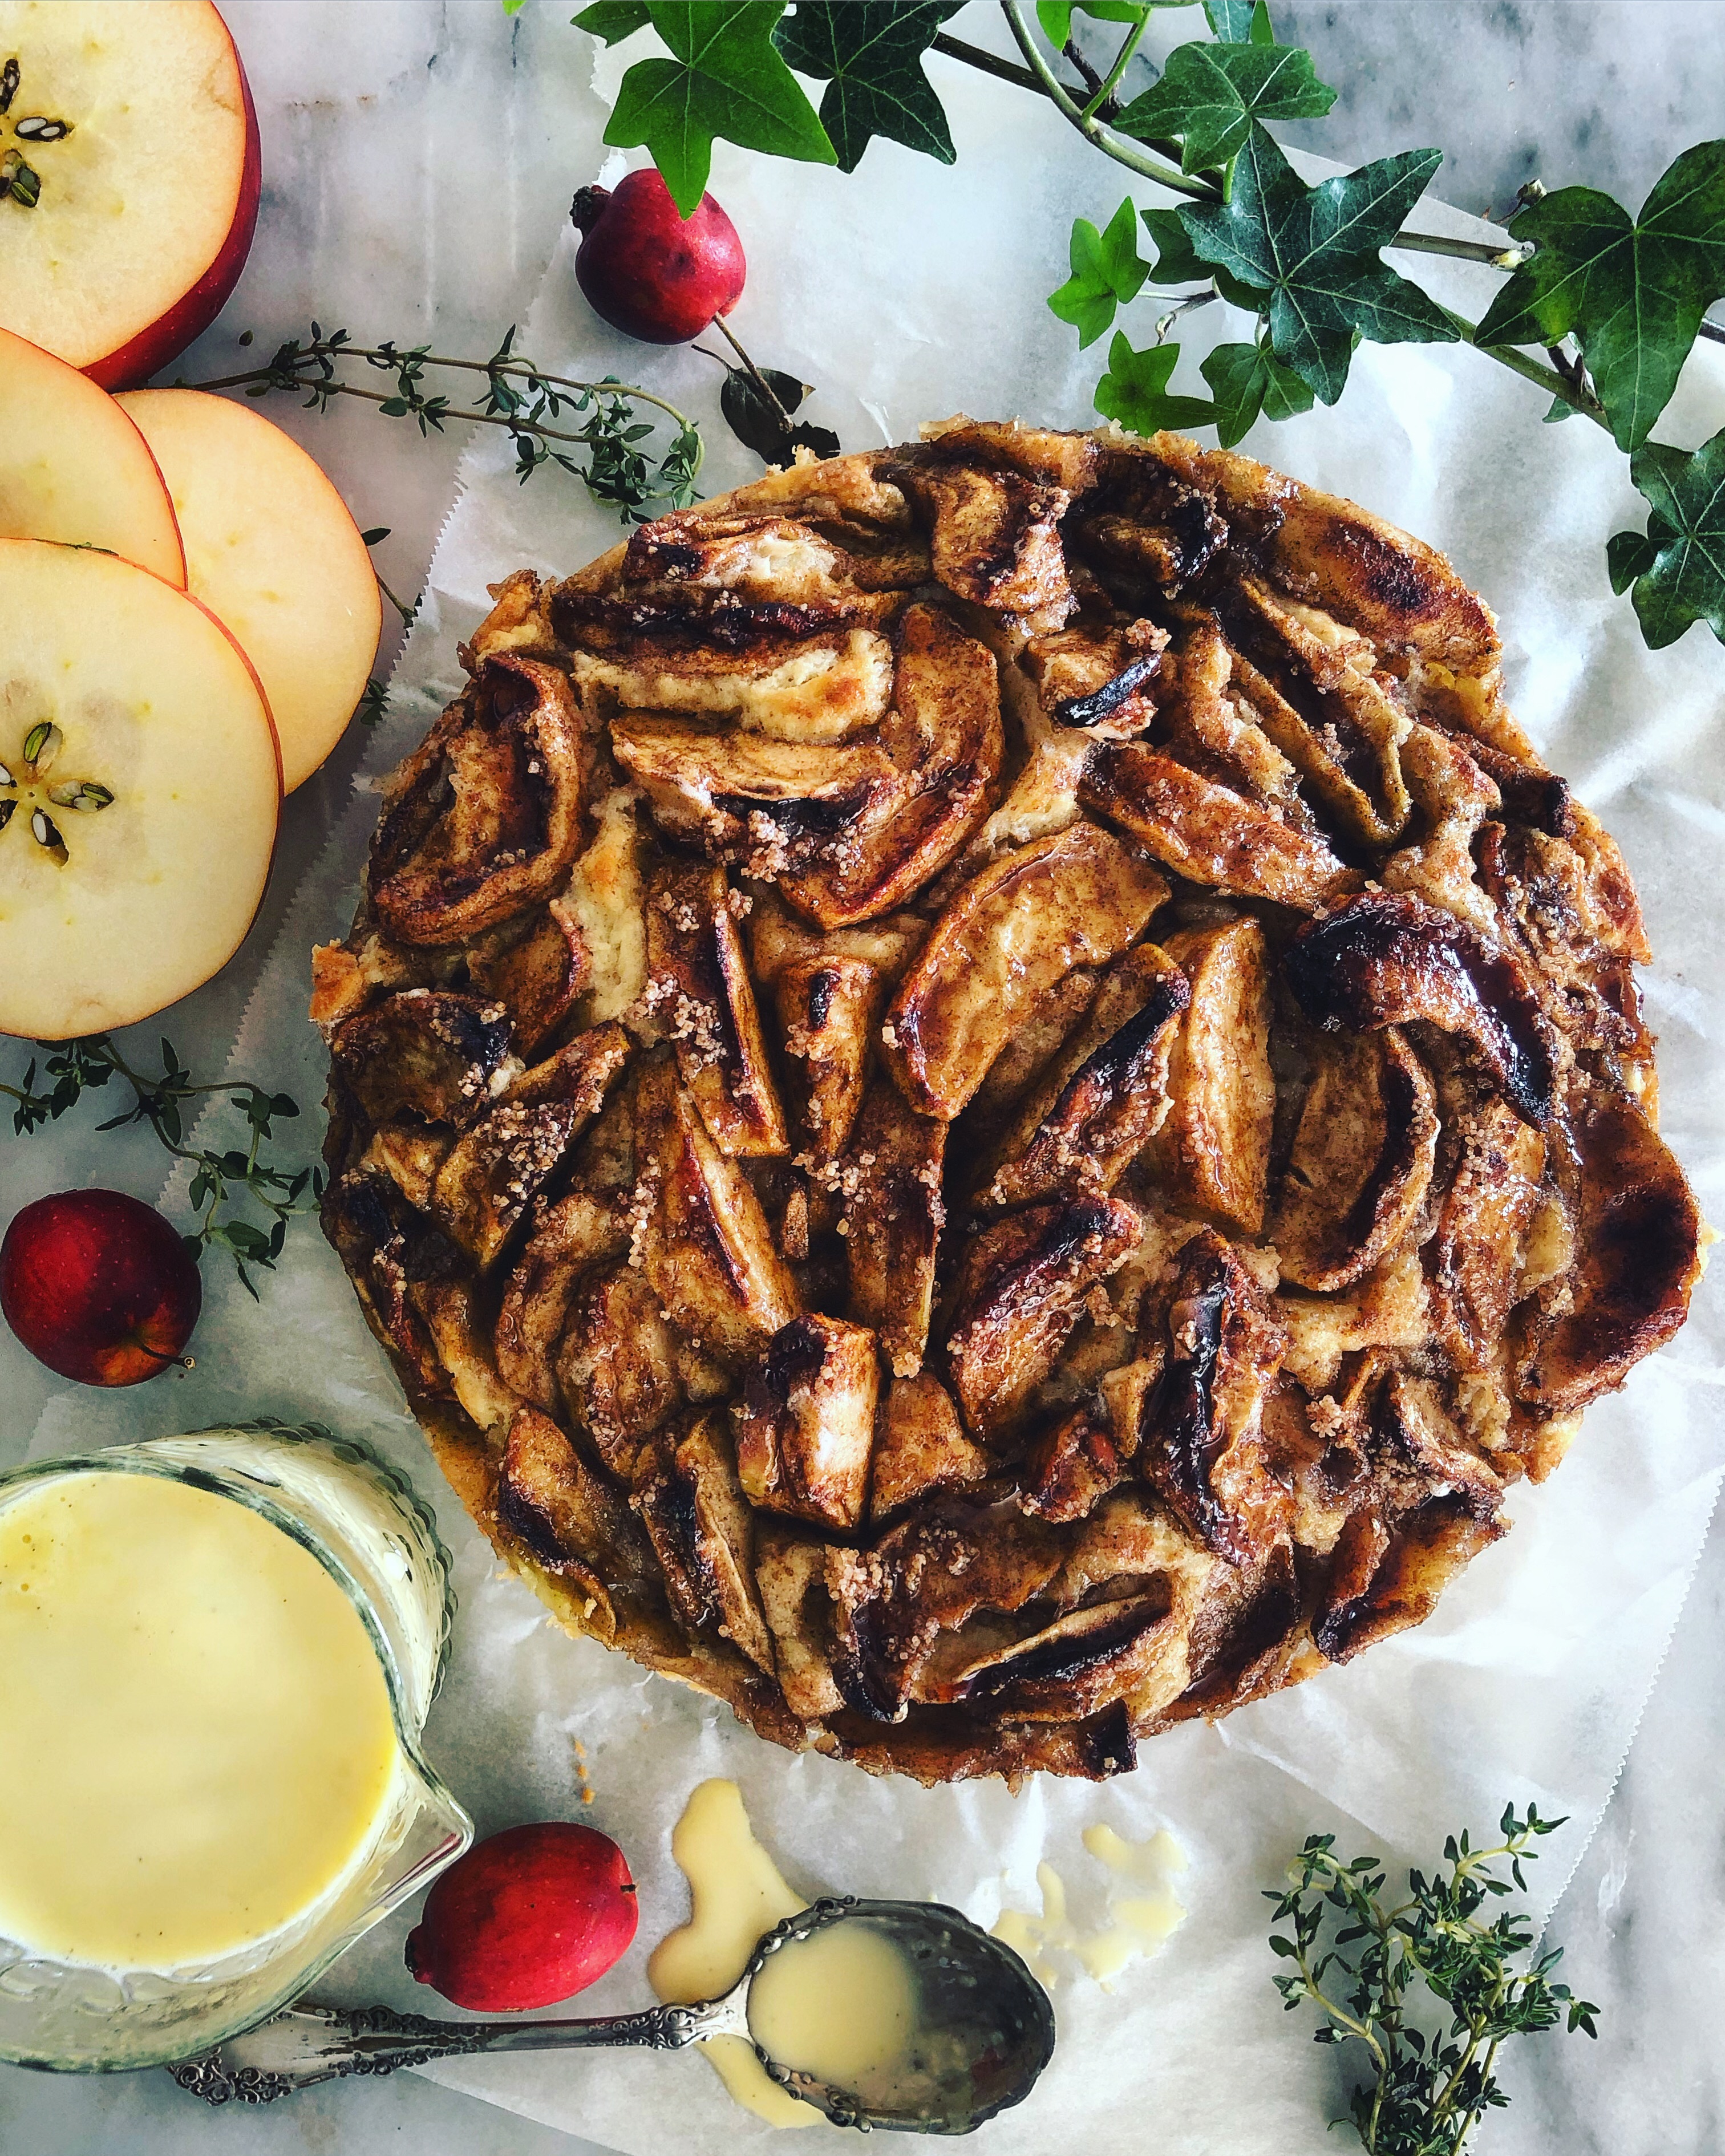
(1363, 1963)
(223, 1179)
(618, 469)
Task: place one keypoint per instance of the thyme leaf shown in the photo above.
(222, 1182)
(1430, 1986)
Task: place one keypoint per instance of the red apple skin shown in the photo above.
(648, 271)
(526, 1918)
(191, 314)
(99, 1287)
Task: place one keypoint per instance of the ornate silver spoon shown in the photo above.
(985, 2028)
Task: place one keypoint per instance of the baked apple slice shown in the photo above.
(133, 198)
(140, 790)
(74, 468)
(1009, 937)
(290, 577)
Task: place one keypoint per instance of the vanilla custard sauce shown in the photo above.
(840, 2006)
(195, 1727)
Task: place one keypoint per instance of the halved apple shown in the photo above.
(130, 163)
(73, 467)
(140, 790)
(272, 551)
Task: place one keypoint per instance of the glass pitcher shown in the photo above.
(363, 1523)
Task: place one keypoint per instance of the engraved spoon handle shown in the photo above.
(312, 2043)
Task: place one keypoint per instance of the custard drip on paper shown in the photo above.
(1138, 1925)
(736, 1894)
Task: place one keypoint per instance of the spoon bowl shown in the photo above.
(978, 2030)
(981, 2028)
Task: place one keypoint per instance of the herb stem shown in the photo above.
(374, 357)
(1091, 128)
(407, 613)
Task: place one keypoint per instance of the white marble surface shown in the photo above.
(418, 161)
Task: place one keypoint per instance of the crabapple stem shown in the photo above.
(754, 373)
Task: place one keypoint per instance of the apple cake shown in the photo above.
(988, 1100)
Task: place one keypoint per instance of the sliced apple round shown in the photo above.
(130, 162)
(140, 791)
(73, 467)
(272, 551)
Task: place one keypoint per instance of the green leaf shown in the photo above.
(1209, 96)
(870, 55)
(1055, 16)
(1239, 21)
(1630, 293)
(513, 6)
(1175, 262)
(1106, 272)
(726, 80)
(1246, 380)
(1134, 390)
(1677, 569)
(1315, 252)
(613, 20)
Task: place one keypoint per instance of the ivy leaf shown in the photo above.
(1134, 390)
(1239, 21)
(612, 20)
(728, 81)
(1106, 272)
(870, 55)
(1315, 252)
(1055, 16)
(1631, 293)
(1245, 381)
(1209, 96)
(1678, 567)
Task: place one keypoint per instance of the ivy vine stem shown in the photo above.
(1091, 128)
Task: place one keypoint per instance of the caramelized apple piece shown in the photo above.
(755, 555)
(1020, 1290)
(1214, 1147)
(944, 738)
(1638, 1236)
(744, 797)
(499, 1166)
(1098, 677)
(890, 1183)
(617, 1365)
(1077, 899)
(703, 1239)
(828, 1010)
(920, 1448)
(1384, 960)
(410, 1154)
(1384, 1579)
(699, 991)
(1206, 1458)
(791, 1573)
(576, 1234)
(1475, 1255)
(1106, 1095)
(996, 538)
(807, 1425)
(566, 1520)
(1417, 1426)
(539, 977)
(461, 1334)
(484, 819)
(422, 1053)
(1361, 1164)
(823, 691)
(1207, 833)
(1069, 1466)
(702, 1533)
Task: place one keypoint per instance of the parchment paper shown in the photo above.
(907, 293)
